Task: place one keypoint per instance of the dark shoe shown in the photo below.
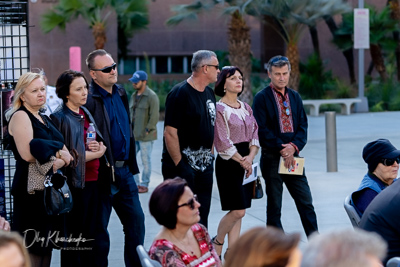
(142, 189)
(217, 243)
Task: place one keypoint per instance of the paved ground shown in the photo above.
(328, 189)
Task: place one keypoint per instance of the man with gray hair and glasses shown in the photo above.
(345, 247)
(189, 129)
(282, 130)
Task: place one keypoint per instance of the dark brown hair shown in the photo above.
(163, 202)
(262, 247)
(64, 82)
(226, 72)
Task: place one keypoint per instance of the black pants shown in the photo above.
(81, 222)
(200, 183)
(298, 188)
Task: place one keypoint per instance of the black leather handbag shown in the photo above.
(258, 190)
(57, 195)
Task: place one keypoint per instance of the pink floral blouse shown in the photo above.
(169, 255)
(233, 126)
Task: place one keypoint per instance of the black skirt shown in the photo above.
(233, 194)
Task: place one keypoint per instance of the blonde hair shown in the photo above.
(24, 81)
(8, 238)
(262, 247)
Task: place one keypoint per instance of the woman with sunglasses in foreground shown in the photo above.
(236, 141)
(383, 165)
(182, 241)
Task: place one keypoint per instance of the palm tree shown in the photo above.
(239, 41)
(381, 26)
(131, 16)
(291, 18)
(395, 14)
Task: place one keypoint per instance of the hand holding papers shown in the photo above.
(253, 175)
(297, 169)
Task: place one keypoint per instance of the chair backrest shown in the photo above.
(351, 212)
(393, 262)
(145, 258)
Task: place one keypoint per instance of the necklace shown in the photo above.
(185, 246)
(194, 85)
(236, 104)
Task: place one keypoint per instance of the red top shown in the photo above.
(92, 167)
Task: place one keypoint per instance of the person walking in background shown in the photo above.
(189, 129)
(383, 166)
(261, 247)
(73, 122)
(108, 103)
(236, 141)
(144, 107)
(282, 129)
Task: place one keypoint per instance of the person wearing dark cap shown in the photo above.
(383, 165)
(144, 107)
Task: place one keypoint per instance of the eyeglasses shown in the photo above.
(190, 203)
(278, 59)
(107, 69)
(209, 65)
(286, 105)
(390, 162)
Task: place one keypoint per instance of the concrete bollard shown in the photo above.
(331, 142)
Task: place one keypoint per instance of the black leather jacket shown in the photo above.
(95, 105)
(70, 125)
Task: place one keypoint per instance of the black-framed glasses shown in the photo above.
(190, 203)
(107, 69)
(390, 162)
(286, 105)
(278, 59)
(209, 65)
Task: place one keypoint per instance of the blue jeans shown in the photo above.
(145, 148)
(126, 204)
(298, 188)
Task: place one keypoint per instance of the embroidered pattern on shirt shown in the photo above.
(285, 120)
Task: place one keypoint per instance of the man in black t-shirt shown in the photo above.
(189, 129)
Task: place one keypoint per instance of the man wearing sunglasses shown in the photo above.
(108, 103)
(282, 131)
(383, 166)
(189, 130)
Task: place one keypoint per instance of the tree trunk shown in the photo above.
(99, 34)
(348, 54)
(314, 39)
(239, 47)
(377, 58)
(395, 14)
(292, 52)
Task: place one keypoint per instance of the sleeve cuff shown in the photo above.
(227, 154)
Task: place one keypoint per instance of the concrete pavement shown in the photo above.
(328, 189)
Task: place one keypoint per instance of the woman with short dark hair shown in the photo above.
(236, 141)
(182, 240)
(72, 119)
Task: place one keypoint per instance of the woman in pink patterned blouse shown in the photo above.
(182, 241)
(236, 141)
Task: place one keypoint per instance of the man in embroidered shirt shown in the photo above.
(282, 131)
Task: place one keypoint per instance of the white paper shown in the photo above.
(253, 175)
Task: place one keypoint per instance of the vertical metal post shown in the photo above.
(331, 142)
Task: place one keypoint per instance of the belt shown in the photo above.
(120, 163)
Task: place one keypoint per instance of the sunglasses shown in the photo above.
(107, 69)
(278, 59)
(190, 203)
(209, 65)
(390, 162)
(286, 105)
